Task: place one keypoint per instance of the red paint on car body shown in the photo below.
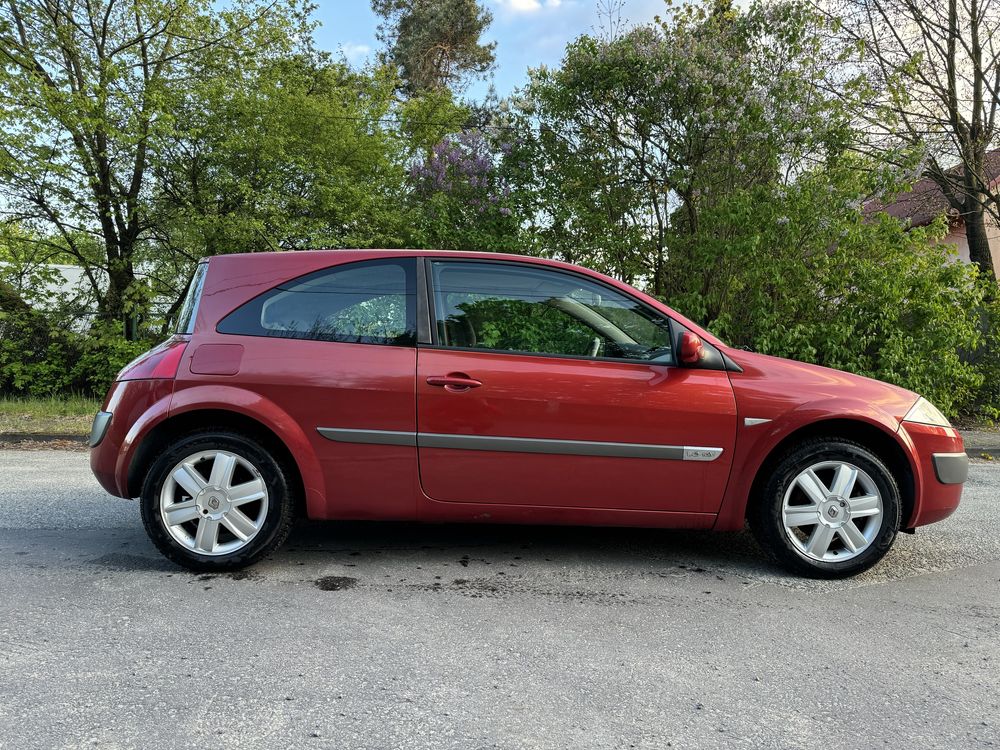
(293, 387)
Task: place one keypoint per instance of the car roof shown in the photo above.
(360, 253)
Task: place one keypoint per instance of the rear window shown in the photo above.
(371, 302)
(189, 308)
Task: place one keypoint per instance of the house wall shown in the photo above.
(957, 237)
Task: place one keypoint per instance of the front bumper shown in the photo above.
(951, 468)
(941, 466)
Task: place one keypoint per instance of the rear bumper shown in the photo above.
(941, 467)
(119, 428)
(102, 420)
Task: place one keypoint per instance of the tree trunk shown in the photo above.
(121, 277)
(975, 233)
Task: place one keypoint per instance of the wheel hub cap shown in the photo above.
(834, 512)
(213, 502)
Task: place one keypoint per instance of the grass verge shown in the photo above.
(57, 415)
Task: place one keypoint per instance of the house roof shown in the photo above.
(925, 201)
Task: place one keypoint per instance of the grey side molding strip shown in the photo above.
(368, 437)
(541, 445)
(523, 445)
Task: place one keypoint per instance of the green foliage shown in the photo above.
(987, 359)
(35, 357)
(290, 156)
(708, 157)
(93, 95)
(46, 346)
(100, 356)
(522, 326)
(801, 273)
(435, 43)
(40, 356)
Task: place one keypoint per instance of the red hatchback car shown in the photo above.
(475, 387)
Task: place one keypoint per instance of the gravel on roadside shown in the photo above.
(59, 444)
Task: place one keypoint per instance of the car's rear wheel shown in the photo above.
(830, 508)
(216, 501)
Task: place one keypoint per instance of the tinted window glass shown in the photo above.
(186, 316)
(516, 308)
(373, 302)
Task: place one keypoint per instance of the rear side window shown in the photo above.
(189, 308)
(372, 302)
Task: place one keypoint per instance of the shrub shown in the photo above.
(41, 355)
(35, 357)
(798, 271)
(101, 355)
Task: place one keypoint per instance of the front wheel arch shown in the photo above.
(866, 435)
(830, 509)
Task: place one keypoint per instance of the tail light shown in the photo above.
(160, 362)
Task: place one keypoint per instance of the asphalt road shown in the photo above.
(402, 636)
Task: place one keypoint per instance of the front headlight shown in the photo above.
(925, 412)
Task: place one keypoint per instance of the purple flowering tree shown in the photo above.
(461, 196)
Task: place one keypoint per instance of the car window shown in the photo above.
(371, 302)
(186, 316)
(517, 308)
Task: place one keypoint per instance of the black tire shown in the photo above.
(765, 512)
(277, 520)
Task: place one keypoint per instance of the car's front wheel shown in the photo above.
(216, 501)
(830, 508)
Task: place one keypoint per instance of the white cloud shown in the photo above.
(520, 6)
(355, 52)
(527, 6)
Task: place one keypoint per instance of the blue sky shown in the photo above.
(527, 32)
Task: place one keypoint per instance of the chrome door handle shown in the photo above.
(454, 382)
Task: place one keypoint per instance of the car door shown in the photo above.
(336, 351)
(544, 387)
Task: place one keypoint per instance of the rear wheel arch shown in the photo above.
(874, 439)
(163, 434)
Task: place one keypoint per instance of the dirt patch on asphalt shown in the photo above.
(335, 583)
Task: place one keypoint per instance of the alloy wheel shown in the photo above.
(213, 502)
(832, 511)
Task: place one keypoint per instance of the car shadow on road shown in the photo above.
(482, 545)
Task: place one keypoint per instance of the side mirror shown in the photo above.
(692, 350)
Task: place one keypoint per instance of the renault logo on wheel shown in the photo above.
(213, 502)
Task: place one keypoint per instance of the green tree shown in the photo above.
(664, 120)
(89, 93)
(709, 155)
(799, 271)
(293, 153)
(435, 43)
(289, 154)
(933, 69)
